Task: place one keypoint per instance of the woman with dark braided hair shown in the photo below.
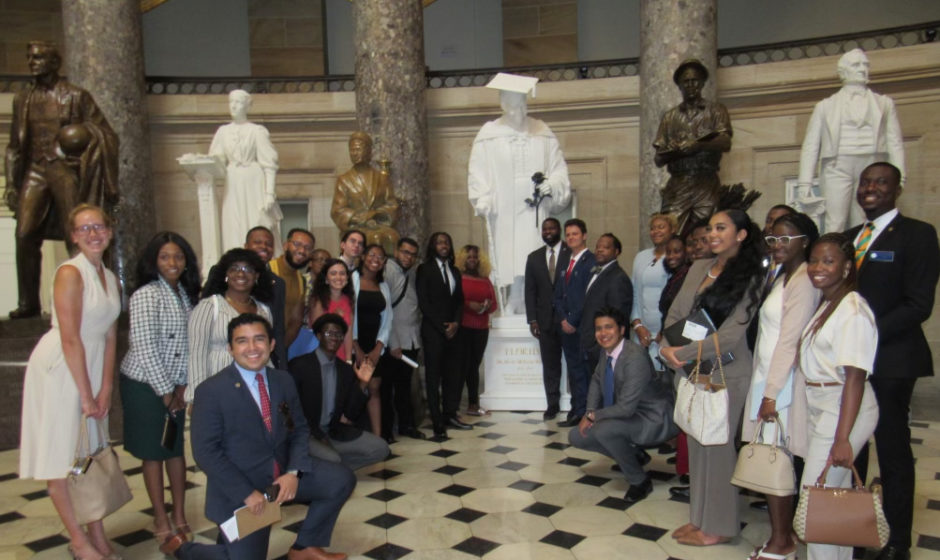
(728, 287)
(837, 355)
(239, 283)
(777, 391)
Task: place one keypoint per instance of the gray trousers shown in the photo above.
(367, 449)
(616, 439)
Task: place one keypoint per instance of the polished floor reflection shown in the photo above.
(509, 489)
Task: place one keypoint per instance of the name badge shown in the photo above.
(881, 256)
(694, 331)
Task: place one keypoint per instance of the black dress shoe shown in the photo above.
(25, 312)
(390, 439)
(892, 552)
(440, 433)
(413, 433)
(760, 505)
(684, 479)
(679, 491)
(571, 422)
(671, 460)
(550, 413)
(643, 457)
(457, 424)
(637, 492)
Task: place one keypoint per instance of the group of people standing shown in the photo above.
(838, 348)
(372, 314)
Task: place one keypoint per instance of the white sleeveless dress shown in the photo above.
(52, 411)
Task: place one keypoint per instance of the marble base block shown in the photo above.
(512, 369)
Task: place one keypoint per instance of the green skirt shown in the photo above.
(144, 415)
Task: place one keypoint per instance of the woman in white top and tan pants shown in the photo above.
(837, 354)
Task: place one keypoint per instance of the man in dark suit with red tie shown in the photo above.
(898, 260)
(569, 306)
(440, 298)
(249, 432)
(541, 272)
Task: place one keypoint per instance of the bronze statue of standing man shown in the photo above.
(61, 152)
(690, 141)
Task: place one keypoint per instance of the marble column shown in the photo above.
(104, 54)
(390, 100)
(670, 32)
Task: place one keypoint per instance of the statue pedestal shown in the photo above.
(204, 170)
(512, 369)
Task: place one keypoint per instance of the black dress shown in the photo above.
(369, 308)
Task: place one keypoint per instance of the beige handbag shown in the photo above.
(96, 483)
(701, 409)
(766, 467)
(841, 516)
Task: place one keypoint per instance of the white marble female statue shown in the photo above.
(250, 166)
(506, 153)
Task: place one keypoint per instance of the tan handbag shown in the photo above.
(96, 483)
(841, 516)
(766, 467)
(701, 409)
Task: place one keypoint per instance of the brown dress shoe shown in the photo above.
(314, 553)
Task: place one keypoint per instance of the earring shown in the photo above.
(226, 279)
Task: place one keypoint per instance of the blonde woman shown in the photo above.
(70, 375)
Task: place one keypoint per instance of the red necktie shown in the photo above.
(568, 272)
(266, 412)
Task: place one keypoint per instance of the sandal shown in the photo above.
(684, 530)
(172, 543)
(185, 530)
(759, 554)
(698, 538)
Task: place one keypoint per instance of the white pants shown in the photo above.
(823, 419)
(838, 182)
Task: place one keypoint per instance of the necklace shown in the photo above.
(242, 303)
(712, 276)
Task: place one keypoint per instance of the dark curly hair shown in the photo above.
(803, 224)
(847, 248)
(321, 289)
(380, 276)
(147, 270)
(216, 284)
(742, 276)
(431, 253)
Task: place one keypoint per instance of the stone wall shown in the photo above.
(286, 37)
(539, 32)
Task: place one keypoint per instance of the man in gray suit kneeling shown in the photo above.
(628, 407)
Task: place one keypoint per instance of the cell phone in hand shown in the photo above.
(271, 492)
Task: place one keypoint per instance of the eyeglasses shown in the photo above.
(247, 269)
(334, 334)
(298, 245)
(783, 240)
(408, 253)
(88, 228)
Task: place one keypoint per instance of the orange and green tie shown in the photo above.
(863, 242)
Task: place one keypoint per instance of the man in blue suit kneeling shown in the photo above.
(249, 432)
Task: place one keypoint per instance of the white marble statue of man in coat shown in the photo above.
(506, 153)
(848, 131)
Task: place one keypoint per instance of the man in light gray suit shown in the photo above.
(627, 406)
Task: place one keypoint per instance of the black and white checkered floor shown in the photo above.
(511, 488)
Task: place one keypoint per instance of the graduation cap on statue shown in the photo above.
(513, 82)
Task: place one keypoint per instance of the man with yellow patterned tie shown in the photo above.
(898, 260)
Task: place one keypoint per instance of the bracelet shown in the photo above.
(768, 399)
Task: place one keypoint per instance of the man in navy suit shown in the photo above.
(249, 431)
(899, 263)
(609, 286)
(542, 268)
(569, 305)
